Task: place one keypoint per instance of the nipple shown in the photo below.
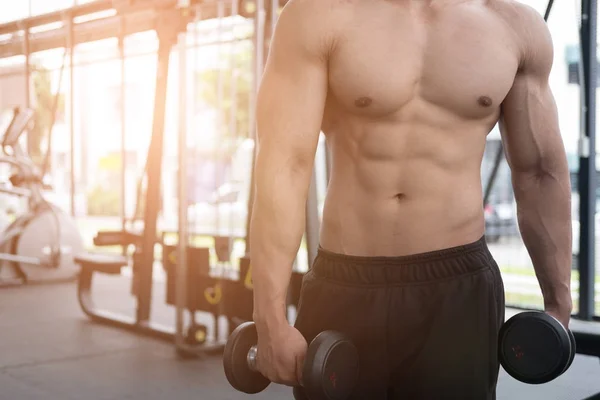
(484, 101)
(363, 102)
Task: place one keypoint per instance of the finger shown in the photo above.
(563, 321)
(299, 369)
(289, 380)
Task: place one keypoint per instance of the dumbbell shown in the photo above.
(535, 347)
(329, 373)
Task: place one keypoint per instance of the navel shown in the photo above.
(484, 101)
(399, 196)
(363, 102)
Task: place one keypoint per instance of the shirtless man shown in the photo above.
(406, 92)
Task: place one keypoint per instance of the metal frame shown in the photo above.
(128, 20)
(70, 24)
(587, 161)
(123, 93)
(181, 273)
(169, 25)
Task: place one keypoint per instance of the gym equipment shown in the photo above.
(39, 245)
(196, 334)
(203, 288)
(330, 369)
(189, 283)
(192, 285)
(535, 348)
(235, 288)
(169, 23)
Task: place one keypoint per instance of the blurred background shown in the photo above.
(104, 95)
(89, 71)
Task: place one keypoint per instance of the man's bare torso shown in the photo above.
(415, 86)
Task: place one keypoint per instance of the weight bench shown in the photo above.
(110, 264)
(90, 264)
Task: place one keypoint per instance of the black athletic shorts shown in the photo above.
(426, 325)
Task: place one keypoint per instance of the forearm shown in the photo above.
(276, 230)
(544, 213)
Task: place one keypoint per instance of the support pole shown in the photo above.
(27, 67)
(123, 209)
(182, 195)
(312, 220)
(259, 46)
(71, 47)
(587, 161)
(166, 38)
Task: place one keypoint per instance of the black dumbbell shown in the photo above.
(535, 347)
(329, 373)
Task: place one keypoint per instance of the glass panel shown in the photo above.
(46, 83)
(220, 154)
(98, 125)
(13, 10)
(506, 244)
(219, 81)
(38, 7)
(13, 84)
(12, 90)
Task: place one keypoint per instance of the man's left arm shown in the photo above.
(539, 169)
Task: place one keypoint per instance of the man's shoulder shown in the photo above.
(515, 8)
(528, 26)
(519, 16)
(314, 22)
(315, 8)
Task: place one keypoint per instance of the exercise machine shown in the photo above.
(193, 285)
(38, 246)
(170, 22)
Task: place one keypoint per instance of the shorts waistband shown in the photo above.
(422, 267)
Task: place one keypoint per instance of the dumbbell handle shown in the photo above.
(251, 358)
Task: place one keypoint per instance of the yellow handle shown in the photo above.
(200, 336)
(173, 257)
(213, 295)
(248, 284)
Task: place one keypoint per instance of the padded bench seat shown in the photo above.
(105, 263)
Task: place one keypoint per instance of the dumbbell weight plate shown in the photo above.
(235, 360)
(534, 347)
(330, 368)
(573, 349)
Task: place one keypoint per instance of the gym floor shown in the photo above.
(49, 350)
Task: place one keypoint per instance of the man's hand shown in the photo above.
(281, 353)
(561, 310)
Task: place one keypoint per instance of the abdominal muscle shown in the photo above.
(403, 187)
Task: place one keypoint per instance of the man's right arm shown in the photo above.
(290, 108)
